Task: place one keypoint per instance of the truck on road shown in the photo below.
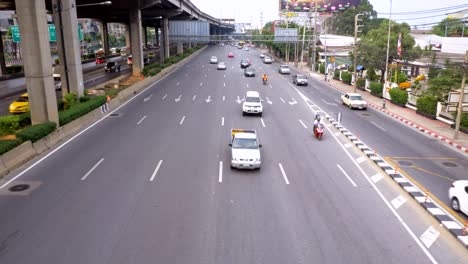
(245, 150)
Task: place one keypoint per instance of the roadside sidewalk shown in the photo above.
(434, 128)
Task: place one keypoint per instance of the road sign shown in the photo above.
(454, 97)
(15, 34)
(52, 33)
(80, 33)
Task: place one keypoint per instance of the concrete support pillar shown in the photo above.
(105, 39)
(180, 47)
(156, 31)
(127, 36)
(165, 33)
(68, 47)
(32, 20)
(136, 40)
(145, 37)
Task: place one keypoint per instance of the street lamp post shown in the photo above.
(388, 50)
(315, 38)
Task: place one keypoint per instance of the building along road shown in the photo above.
(152, 183)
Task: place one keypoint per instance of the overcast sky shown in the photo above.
(249, 10)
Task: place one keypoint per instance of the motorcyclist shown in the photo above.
(264, 78)
(317, 122)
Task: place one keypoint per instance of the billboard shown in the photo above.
(322, 5)
(283, 35)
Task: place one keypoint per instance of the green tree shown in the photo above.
(343, 24)
(372, 50)
(453, 27)
(447, 79)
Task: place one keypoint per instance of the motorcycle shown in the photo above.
(318, 131)
(264, 81)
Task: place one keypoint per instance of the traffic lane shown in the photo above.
(109, 168)
(391, 138)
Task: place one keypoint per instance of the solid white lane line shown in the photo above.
(195, 96)
(282, 100)
(285, 177)
(397, 202)
(224, 98)
(263, 123)
(220, 173)
(247, 85)
(379, 193)
(429, 236)
(304, 125)
(182, 120)
(222, 121)
(141, 120)
(164, 97)
(270, 86)
(381, 128)
(346, 174)
(201, 84)
(156, 170)
(361, 159)
(92, 169)
(377, 177)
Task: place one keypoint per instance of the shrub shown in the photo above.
(7, 145)
(36, 132)
(399, 96)
(376, 88)
(372, 76)
(351, 68)
(80, 109)
(154, 71)
(322, 68)
(9, 124)
(427, 104)
(70, 100)
(112, 92)
(60, 104)
(361, 83)
(346, 77)
(14, 69)
(24, 119)
(84, 99)
(464, 120)
(336, 75)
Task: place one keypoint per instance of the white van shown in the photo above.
(252, 104)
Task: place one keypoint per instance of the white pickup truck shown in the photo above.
(245, 150)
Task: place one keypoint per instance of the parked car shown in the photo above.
(100, 60)
(55, 74)
(284, 69)
(20, 105)
(458, 195)
(249, 72)
(112, 67)
(213, 60)
(244, 64)
(221, 66)
(230, 55)
(354, 100)
(299, 79)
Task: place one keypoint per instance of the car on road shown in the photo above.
(129, 60)
(244, 64)
(299, 79)
(249, 72)
(245, 150)
(458, 195)
(284, 69)
(213, 60)
(239, 47)
(252, 104)
(267, 60)
(112, 67)
(55, 74)
(230, 54)
(246, 49)
(354, 101)
(20, 105)
(262, 55)
(221, 66)
(100, 60)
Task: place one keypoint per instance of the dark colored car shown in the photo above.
(300, 79)
(249, 72)
(112, 67)
(244, 64)
(100, 60)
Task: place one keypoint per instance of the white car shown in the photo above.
(252, 104)
(458, 195)
(221, 66)
(213, 60)
(262, 55)
(245, 150)
(354, 100)
(284, 69)
(246, 49)
(267, 60)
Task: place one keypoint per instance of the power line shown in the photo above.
(428, 10)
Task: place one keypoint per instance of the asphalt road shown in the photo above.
(153, 184)
(427, 160)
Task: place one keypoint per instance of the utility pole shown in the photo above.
(303, 40)
(356, 30)
(388, 51)
(315, 38)
(462, 95)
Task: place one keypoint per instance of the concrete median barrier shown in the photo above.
(40, 146)
(3, 169)
(19, 155)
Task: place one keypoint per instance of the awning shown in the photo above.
(359, 67)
